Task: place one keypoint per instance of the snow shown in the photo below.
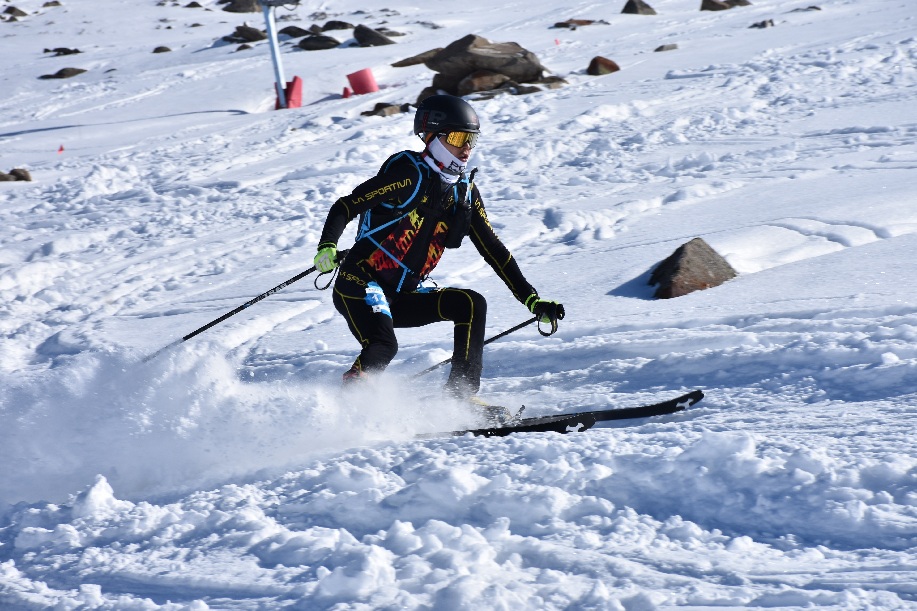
(232, 472)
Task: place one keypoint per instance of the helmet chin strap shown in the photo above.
(444, 163)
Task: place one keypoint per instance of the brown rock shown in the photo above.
(694, 266)
(669, 47)
(243, 6)
(601, 65)
(4, 177)
(426, 93)
(480, 80)
(294, 31)
(638, 7)
(63, 73)
(733, 3)
(318, 43)
(246, 33)
(446, 83)
(384, 109)
(552, 82)
(15, 12)
(162, 50)
(573, 23)
(368, 37)
(417, 59)
(337, 25)
(21, 174)
(714, 5)
(472, 53)
(58, 51)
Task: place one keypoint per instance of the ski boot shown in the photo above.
(492, 415)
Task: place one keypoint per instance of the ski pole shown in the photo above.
(487, 341)
(251, 302)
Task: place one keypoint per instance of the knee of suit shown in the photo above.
(378, 352)
(383, 350)
(470, 306)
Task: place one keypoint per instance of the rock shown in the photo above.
(318, 42)
(472, 53)
(15, 12)
(244, 47)
(243, 6)
(246, 33)
(384, 109)
(734, 3)
(638, 7)
(51, 3)
(4, 177)
(425, 93)
(389, 32)
(294, 31)
(767, 23)
(694, 266)
(480, 80)
(193, 5)
(446, 83)
(63, 73)
(575, 23)
(162, 50)
(417, 59)
(669, 47)
(714, 5)
(552, 82)
(21, 174)
(337, 25)
(58, 51)
(368, 37)
(601, 65)
(804, 10)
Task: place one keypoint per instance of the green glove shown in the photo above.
(546, 311)
(326, 259)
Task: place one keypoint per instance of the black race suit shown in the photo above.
(407, 218)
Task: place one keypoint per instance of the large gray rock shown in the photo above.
(694, 266)
(472, 53)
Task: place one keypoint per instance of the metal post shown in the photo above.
(275, 53)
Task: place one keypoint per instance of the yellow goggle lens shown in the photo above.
(460, 139)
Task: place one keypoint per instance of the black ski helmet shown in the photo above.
(443, 113)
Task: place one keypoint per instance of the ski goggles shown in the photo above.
(460, 139)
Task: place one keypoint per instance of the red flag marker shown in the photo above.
(61, 149)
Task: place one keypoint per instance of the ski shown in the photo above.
(579, 421)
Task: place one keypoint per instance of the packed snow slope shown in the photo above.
(231, 472)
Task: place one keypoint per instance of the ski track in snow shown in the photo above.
(232, 473)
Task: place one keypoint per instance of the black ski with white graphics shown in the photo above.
(581, 421)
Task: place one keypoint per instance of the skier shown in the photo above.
(415, 207)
